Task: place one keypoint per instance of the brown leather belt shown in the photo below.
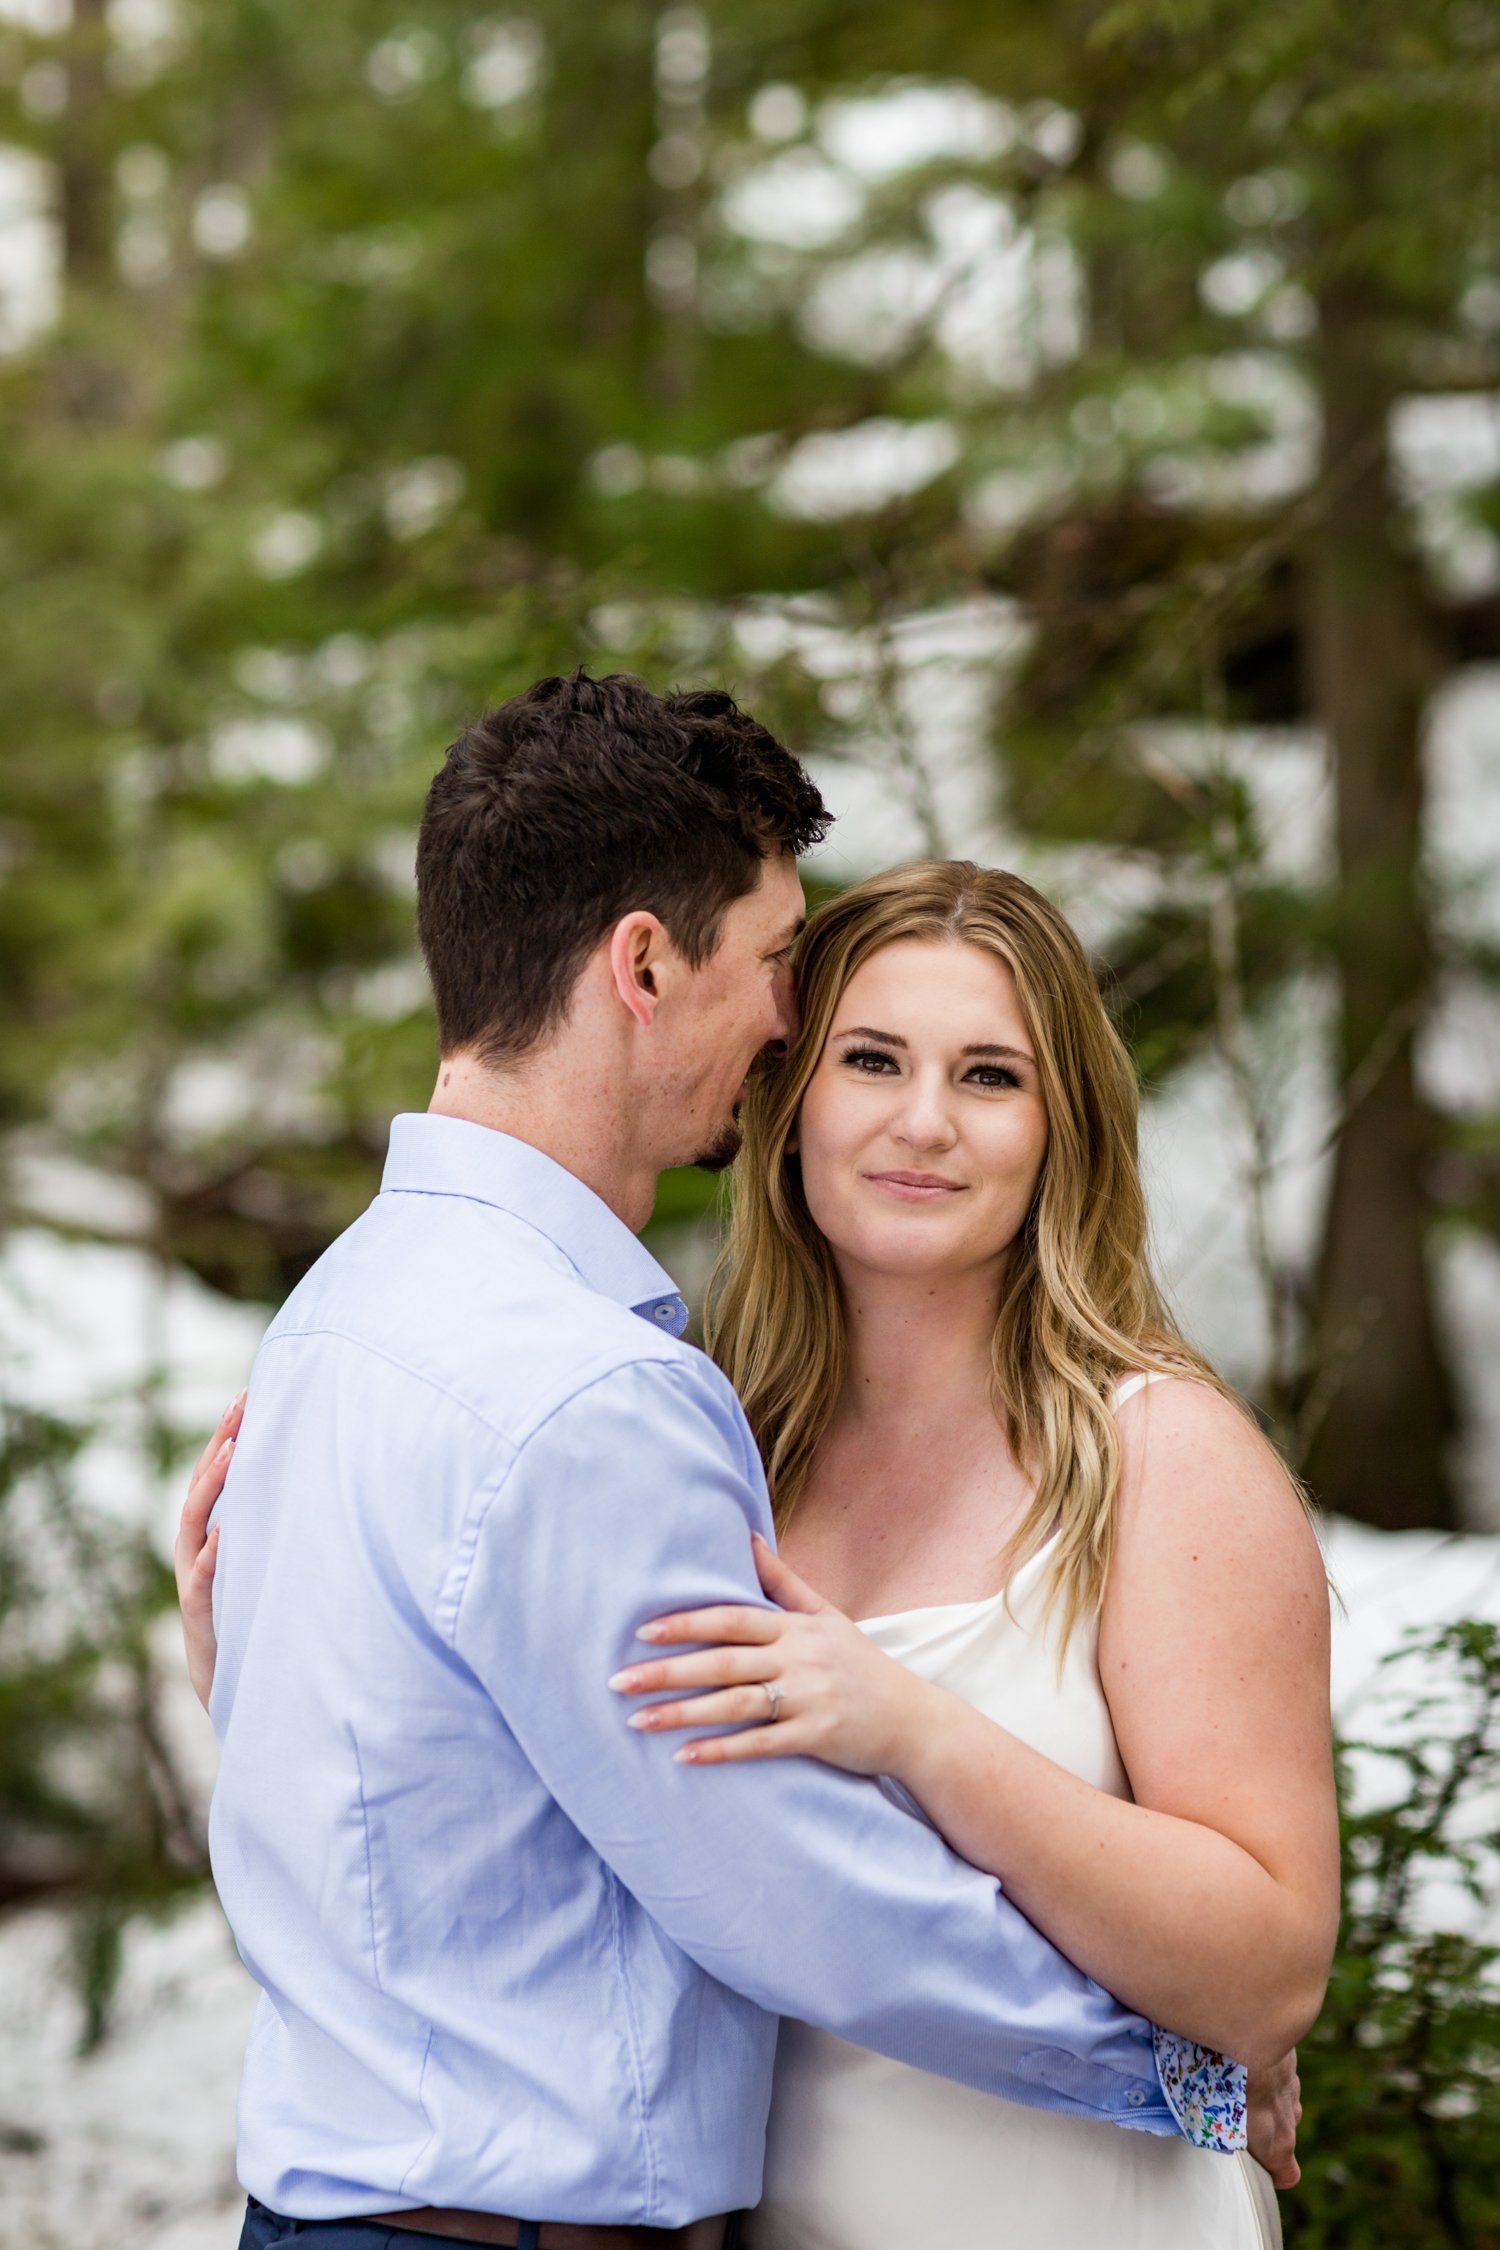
(555, 2234)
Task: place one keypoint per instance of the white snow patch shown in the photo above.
(30, 260)
(879, 135)
(87, 1329)
(833, 473)
(133, 2145)
(796, 198)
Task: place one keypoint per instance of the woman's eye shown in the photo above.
(869, 1061)
(993, 1075)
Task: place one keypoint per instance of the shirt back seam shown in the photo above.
(633, 2042)
(586, 1381)
(364, 1830)
(426, 2112)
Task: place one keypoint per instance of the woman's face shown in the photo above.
(922, 1130)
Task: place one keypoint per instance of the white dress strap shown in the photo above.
(1133, 1383)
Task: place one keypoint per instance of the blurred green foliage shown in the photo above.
(91, 1807)
(1401, 2074)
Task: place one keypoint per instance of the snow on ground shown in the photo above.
(133, 2148)
(135, 2145)
(1389, 1582)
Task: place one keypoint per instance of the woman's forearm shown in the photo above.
(1171, 1916)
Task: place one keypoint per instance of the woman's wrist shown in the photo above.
(922, 1711)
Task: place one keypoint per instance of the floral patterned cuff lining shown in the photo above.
(1205, 2091)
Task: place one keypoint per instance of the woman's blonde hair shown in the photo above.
(1078, 1307)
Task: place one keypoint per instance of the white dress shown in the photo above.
(863, 2152)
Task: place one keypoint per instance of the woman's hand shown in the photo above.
(196, 1551)
(840, 1698)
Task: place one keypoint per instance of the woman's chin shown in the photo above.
(905, 1247)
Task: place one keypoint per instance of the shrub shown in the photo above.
(1400, 2140)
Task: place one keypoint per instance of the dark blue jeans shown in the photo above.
(267, 2230)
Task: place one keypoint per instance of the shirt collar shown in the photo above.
(451, 1156)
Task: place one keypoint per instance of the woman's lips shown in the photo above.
(914, 1187)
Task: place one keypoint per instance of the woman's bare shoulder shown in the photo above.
(1206, 1500)
(1184, 1422)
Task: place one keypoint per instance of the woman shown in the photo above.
(1093, 1620)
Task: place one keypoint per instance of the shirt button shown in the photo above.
(1136, 2097)
(663, 1312)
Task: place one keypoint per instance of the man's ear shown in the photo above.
(638, 945)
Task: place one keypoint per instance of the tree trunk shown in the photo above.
(84, 166)
(1379, 1404)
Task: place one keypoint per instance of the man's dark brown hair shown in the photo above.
(571, 805)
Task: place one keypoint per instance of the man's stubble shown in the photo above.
(721, 1153)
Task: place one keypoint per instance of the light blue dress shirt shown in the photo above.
(512, 1956)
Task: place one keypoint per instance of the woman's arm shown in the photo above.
(196, 1550)
(1210, 1903)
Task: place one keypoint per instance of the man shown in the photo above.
(520, 1975)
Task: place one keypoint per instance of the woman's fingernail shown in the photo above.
(685, 1757)
(226, 1448)
(622, 1682)
(640, 1719)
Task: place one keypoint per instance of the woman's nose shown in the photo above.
(924, 1119)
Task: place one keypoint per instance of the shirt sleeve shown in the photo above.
(806, 1889)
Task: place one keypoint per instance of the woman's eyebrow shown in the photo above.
(1016, 1054)
(987, 1048)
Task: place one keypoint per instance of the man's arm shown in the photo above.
(806, 1889)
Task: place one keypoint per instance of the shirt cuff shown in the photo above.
(1205, 2091)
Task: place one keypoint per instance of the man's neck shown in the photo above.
(544, 1103)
